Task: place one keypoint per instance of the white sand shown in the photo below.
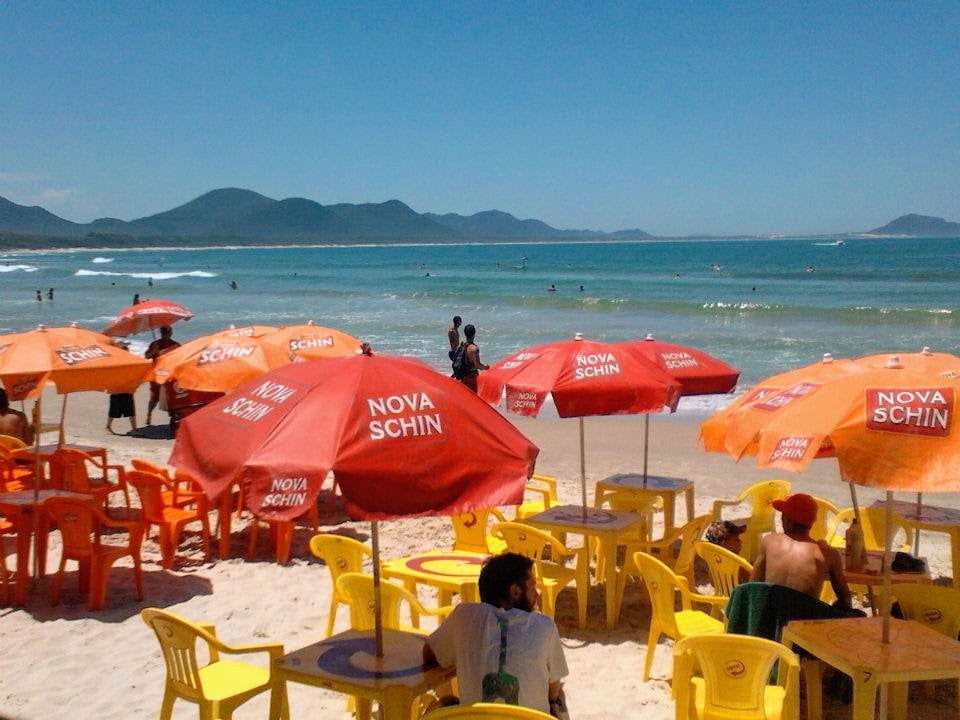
(67, 662)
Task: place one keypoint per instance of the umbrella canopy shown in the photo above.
(889, 426)
(400, 438)
(310, 342)
(698, 372)
(71, 358)
(585, 377)
(146, 315)
(221, 361)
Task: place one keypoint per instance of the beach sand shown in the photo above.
(67, 662)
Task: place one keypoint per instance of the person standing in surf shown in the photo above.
(473, 363)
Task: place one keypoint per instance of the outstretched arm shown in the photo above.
(837, 578)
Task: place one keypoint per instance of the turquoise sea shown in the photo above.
(762, 305)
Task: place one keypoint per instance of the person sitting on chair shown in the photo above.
(794, 559)
(13, 422)
(502, 649)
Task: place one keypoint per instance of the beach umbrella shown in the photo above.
(584, 377)
(310, 342)
(146, 315)
(698, 373)
(400, 438)
(221, 361)
(890, 426)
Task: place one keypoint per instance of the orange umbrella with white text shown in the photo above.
(146, 315)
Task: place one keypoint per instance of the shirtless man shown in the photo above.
(453, 335)
(13, 422)
(796, 560)
(474, 364)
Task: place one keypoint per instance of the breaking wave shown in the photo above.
(152, 275)
(14, 268)
(101, 260)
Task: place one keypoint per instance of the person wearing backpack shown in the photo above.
(472, 364)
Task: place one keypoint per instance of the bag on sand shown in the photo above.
(459, 361)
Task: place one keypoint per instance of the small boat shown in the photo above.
(835, 243)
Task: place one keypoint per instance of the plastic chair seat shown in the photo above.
(696, 622)
(226, 678)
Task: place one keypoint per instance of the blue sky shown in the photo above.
(675, 117)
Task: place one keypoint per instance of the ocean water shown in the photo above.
(761, 305)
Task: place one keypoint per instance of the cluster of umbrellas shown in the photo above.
(404, 440)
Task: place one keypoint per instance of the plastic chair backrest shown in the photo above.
(341, 554)
(178, 644)
(482, 711)
(826, 511)
(724, 566)
(470, 531)
(936, 606)
(644, 502)
(77, 522)
(733, 678)
(12, 443)
(529, 542)
(358, 590)
(549, 485)
(68, 470)
(762, 494)
(662, 584)
(689, 534)
(149, 489)
(147, 466)
(873, 522)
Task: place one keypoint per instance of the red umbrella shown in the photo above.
(400, 438)
(698, 373)
(146, 315)
(585, 377)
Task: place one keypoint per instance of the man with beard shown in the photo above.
(502, 649)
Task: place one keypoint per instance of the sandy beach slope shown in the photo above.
(66, 662)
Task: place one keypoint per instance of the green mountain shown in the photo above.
(238, 215)
(919, 226)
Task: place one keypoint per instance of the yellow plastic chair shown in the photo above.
(723, 565)
(675, 550)
(341, 555)
(81, 526)
(719, 677)
(873, 521)
(663, 585)
(553, 575)
(760, 497)
(546, 487)
(470, 532)
(357, 588)
(12, 443)
(483, 711)
(826, 511)
(220, 686)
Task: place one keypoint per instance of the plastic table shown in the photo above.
(933, 518)
(346, 663)
(853, 646)
(670, 487)
(450, 571)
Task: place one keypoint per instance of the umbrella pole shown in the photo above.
(377, 619)
(646, 444)
(63, 419)
(856, 514)
(37, 466)
(887, 560)
(916, 530)
(583, 471)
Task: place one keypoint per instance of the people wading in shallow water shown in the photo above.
(474, 365)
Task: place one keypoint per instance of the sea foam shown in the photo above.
(14, 268)
(152, 275)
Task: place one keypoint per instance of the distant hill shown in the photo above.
(919, 226)
(243, 216)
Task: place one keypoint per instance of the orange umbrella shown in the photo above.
(890, 423)
(310, 342)
(71, 358)
(146, 315)
(221, 361)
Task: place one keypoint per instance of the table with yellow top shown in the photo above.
(669, 487)
(933, 518)
(450, 571)
(346, 663)
(602, 524)
(853, 646)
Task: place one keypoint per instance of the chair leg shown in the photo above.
(332, 615)
(652, 640)
(166, 709)
(138, 576)
(57, 584)
(168, 546)
(205, 535)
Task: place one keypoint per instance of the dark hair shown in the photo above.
(499, 573)
(457, 319)
(469, 331)
(4, 402)
(165, 330)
